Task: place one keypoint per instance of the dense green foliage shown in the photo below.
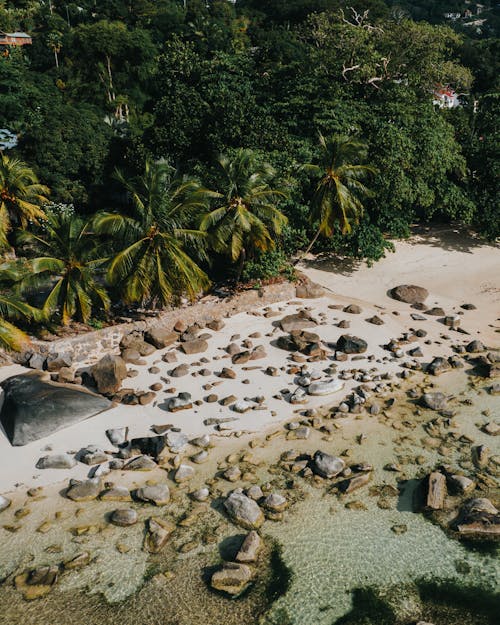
(114, 84)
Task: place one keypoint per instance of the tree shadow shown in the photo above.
(450, 237)
(333, 263)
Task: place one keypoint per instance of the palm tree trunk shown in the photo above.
(309, 247)
(243, 256)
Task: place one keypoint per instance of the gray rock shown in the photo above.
(109, 373)
(434, 401)
(176, 441)
(159, 494)
(180, 371)
(242, 406)
(4, 503)
(275, 502)
(325, 388)
(140, 463)
(56, 461)
(183, 473)
(37, 361)
(123, 517)
(202, 494)
(244, 511)
(297, 321)
(117, 436)
(254, 492)
(85, 490)
(200, 457)
(250, 548)
(351, 344)
(326, 465)
(201, 441)
(410, 294)
(34, 407)
(181, 402)
(93, 455)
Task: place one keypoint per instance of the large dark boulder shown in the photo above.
(34, 407)
(351, 344)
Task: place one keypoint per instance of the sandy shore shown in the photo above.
(454, 269)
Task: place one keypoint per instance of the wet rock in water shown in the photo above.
(93, 455)
(250, 548)
(35, 407)
(254, 492)
(159, 494)
(85, 490)
(78, 562)
(115, 493)
(123, 517)
(478, 518)
(232, 578)
(56, 461)
(275, 502)
(327, 466)
(475, 347)
(202, 494)
(410, 294)
(160, 337)
(244, 511)
(38, 582)
(402, 604)
(351, 344)
(181, 402)
(461, 484)
(109, 374)
(140, 463)
(297, 321)
(117, 436)
(158, 533)
(184, 473)
(438, 366)
(232, 474)
(434, 401)
(5, 502)
(195, 346)
(436, 491)
(176, 441)
(325, 388)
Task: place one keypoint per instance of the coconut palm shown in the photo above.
(12, 308)
(340, 189)
(21, 196)
(153, 265)
(67, 265)
(248, 218)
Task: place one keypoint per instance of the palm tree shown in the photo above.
(248, 218)
(21, 196)
(67, 265)
(340, 189)
(153, 266)
(11, 309)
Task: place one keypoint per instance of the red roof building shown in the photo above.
(14, 39)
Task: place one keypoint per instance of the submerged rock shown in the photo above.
(250, 548)
(478, 518)
(123, 517)
(159, 494)
(38, 582)
(35, 407)
(158, 533)
(232, 578)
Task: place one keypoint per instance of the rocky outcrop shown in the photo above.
(35, 407)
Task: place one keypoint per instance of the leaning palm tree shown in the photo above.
(155, 238)
(12, 309)
(340, 188)
(248, 217)
(65, 264)
(21, 196)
